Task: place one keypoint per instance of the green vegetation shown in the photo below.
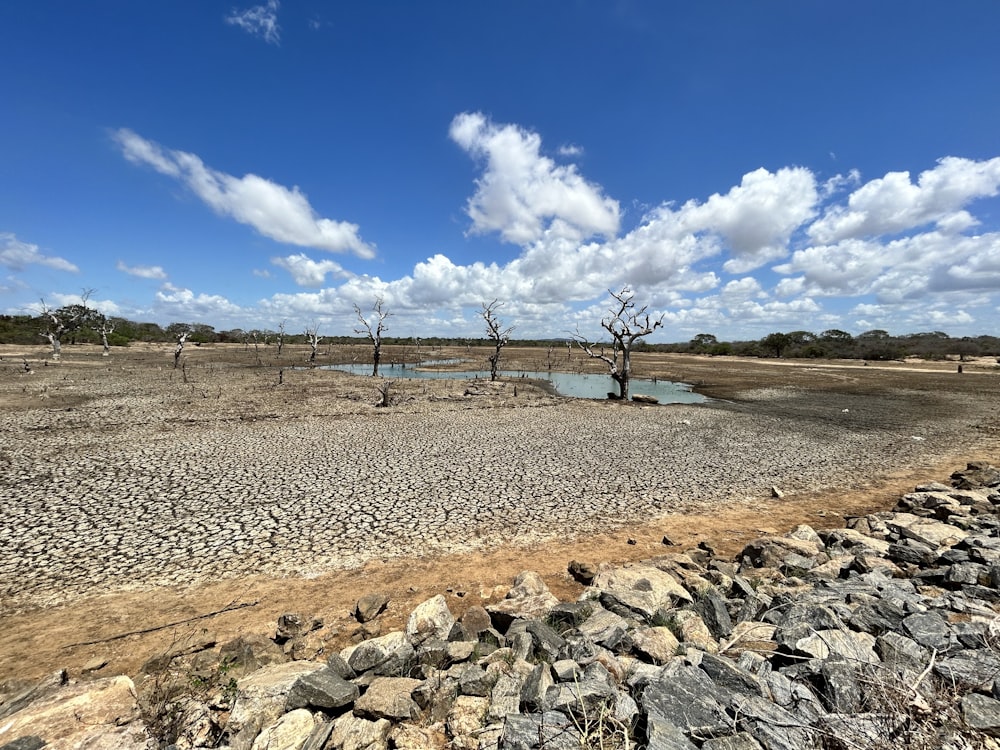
(872, 345)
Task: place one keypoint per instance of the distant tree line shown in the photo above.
(872, 345)
(833, 343)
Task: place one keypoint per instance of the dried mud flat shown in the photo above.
(134, 495)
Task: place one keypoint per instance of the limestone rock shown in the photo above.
(290, 732)
(102, 713)
(639, 589)
(389, 698)
(431, 619)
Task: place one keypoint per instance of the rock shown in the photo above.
(928, 629)
(529, 599)
(657, 644)
(291, 625)
(692, 631)
(432, 619)
(981, 714)
(102, 713)
(730, 675)
(535, 688)
(973, 669)
(261, 698)
(638, 589)
(323, 689)
(388, 655)
(925, 531)
(389, 698)
(712, 608)
(582, 572)
(642, 398)
(770, 551)
(603, 627)
(505, 697)
(739, 741)
(411, 737)
(549, 730)
(351, 732)
(248, 653)
(290, 732)
(475, 620)
(370, 606)
(840, 687)
(685, 697)
(466, 717)
(857, 647)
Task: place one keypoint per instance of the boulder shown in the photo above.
(323, 689)
(388, 655)
(261, 698)
(638, 590)
(529, 599)
(431, 619)
(370, 606)
(351, 732)
(290, 732)
(102, 713)
(389, 698)
(657, 644)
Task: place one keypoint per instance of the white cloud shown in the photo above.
(570, 149)
(16, 255)
(894, 204)
(143, 272)
(275, 211)
(178, 304)
(757, 217)
(522, 194)
(259, 20)
(308, 272)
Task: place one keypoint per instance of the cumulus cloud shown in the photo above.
(259, 20)
(308, 272)
(143, 272)
(756, 217)
(523, 194)
(894, 203)
(177, 303)
(17, 255)
(275, 211)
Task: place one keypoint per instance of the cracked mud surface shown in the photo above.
(135, 495)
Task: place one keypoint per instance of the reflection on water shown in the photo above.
(572, 384)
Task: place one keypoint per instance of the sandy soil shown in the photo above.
(109, 628)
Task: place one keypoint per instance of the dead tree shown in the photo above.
(182, 338)
(281, 337)
(64, 320)
(373, 331)
(104, 329)
(313, 338)
(497, 334)
(626, 324)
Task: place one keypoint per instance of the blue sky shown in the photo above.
(743, 167)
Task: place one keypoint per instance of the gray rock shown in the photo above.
(323, 689)
(714, 613)
(658, 645)
(981, 714)
(685, 697)
(972, 669)
(772, 726)
(289, 732)
(548, 730)
(529, 599)
(474, 680)
(729, 675)
(896, 650)
(740, 741)
(566, 670)
(387, 655)
(928, 629)
(840, 687)
(533, 694)
(604, 627)
(505, 697)
(261, 698)
(545, 643)
(662, 734)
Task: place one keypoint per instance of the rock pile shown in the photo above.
(884, 633)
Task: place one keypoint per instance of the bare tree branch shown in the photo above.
(499, 335)
(373, 330)
(626, 324)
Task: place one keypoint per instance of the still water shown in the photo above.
(572, 384)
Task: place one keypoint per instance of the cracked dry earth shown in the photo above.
(134, 495)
